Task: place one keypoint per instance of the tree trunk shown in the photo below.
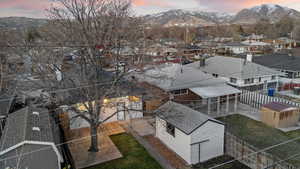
(94, 138)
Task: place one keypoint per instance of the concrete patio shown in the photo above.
(108, 151)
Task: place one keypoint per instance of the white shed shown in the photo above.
(194, 136)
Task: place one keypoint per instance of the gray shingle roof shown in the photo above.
(19, 128)
(279, 61)
(183, 117)
(234, 67)
(170, 77)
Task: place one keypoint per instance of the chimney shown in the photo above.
(202, 61)
(249, 57)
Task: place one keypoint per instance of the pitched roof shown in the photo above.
(234, 67)
(174, 77)
(279, 61)
(280, 107)
(182, 117)
(235, 44)
(24, 126)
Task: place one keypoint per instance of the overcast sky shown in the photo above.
(36, 8)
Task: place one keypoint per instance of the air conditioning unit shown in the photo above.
(36, 129)
(36, 113)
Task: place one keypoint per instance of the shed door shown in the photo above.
(200, 152)
(195, 153)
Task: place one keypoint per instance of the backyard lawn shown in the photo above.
(261, 136)
(220, 160)
(134, 155)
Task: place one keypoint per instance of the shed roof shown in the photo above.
(182, 117)
(280, 107)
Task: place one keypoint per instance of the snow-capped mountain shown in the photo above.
(269, 11)
(200, 18)
(180, 17)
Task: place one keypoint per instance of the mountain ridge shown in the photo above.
(180, 17)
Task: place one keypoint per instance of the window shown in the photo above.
(180, 92)
(233, 80)
(170, 129)
(259, 79)
(249, 81)
(273, 77)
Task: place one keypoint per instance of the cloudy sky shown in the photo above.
(36, 8)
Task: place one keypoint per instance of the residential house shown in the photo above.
(194, 136)
(29, 141)
(240, 73)
(235, 47)
(282, 43)
(188, 85)
(257, 47)
(280, 115)
(254, 37)
(114, 109)
(289, 64)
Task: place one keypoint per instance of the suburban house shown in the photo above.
(240, 73)
(236, 47)
(289, 64)
(255, 37)
(29, 141)
(191, 86)
(280, 115)
(256, 46)
(114, 109)
(194, 136)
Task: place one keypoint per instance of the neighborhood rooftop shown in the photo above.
(28, 126)
(234, 67)
(173, 77)
(279, 106)
(183, 117)
(279, 61)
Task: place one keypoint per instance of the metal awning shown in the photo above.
(215, 91)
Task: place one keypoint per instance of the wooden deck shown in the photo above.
(108, 151)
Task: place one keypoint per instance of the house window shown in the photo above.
(170, 129)
(249, 81)
(233, 80)
(259, 79)
(180, 92)
(273, 77)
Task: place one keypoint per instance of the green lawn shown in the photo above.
(220, 160)
(261, 136)
(134, 155)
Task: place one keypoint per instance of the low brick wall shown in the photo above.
(247, 155)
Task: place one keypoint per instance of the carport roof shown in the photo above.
(215, 91)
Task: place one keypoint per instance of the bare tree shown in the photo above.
(89, 30)
(296, 33)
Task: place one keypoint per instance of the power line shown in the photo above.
(260, 151)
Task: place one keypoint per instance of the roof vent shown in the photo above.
(36, 129)
(35, 113)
